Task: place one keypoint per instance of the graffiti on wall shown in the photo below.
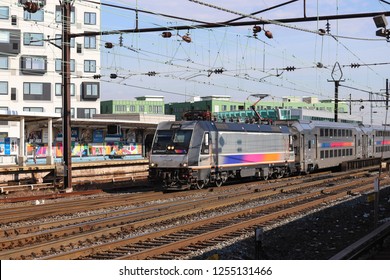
(82, 150)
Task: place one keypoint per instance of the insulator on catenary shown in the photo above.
(268, 34)
(256, 29)
(108, 45)
(321, 31)
(186, 38)
(31, 7)
(166, 34)
(113, 76)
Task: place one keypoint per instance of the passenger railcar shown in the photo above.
(320, 145)
(192, 154)
(380, 136)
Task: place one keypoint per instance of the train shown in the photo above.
(193, 154)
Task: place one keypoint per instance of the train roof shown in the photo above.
(310, 125)
(224, 126)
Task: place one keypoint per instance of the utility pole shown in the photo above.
(66, 6)
(378, 180)
(337, 75)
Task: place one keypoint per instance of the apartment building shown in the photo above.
(31, 57)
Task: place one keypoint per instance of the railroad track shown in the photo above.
(50, 239)
(80, 182)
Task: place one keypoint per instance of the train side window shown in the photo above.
(321, 132)
(322, 154)
(326, 154)
(331, 133)
(343, 152)
(339, 153)
(326, 132)
(339, 132)
(205, 144)
(331, 153)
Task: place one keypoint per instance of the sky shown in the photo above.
(148, 64)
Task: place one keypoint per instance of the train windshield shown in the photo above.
(172, 142)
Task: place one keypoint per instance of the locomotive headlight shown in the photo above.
(184, 164)
(152, 164)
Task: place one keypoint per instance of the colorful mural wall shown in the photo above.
(83, 150)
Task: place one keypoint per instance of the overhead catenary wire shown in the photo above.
(190, 54)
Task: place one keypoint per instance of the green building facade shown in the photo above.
(141, 105)
(220, 106)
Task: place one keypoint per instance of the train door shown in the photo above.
(206, 160)
(364, 146)
(303, 149)
(206, 151)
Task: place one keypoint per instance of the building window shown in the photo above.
(58, 41)
(90, 90)
(58, 110)
(37, 16)
(33, 109)
(58, 65)
(3, 62)
(90, 42)
(33, 39)
(33, 88)
(86, 113)
(3, 88)
(90, 66)
(90, 18)
(141, 108)
(58, 89)
(4, 36)
(4, 12)
(120, 108)
(155, 109)
(33, 64)
(132, 108)
(59, 14)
